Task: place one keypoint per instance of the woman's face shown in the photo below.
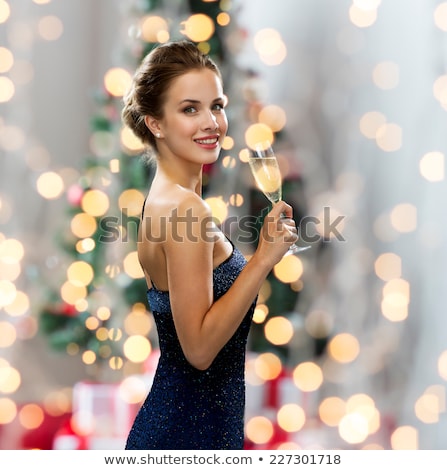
(194, 123)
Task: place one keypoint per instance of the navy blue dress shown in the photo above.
(187, 408)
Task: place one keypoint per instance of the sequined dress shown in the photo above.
(187, 408)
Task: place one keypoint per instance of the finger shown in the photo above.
(288, 222)
(289, 225)
(282, 209)
(292, 232)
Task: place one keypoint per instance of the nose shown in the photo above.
(210, 123)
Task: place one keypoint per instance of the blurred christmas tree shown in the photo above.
(104, 281)
(100, 309)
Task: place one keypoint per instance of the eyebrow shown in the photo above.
(189, 100)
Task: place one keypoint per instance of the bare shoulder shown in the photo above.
(188, 218)
(175, 199)
(190, 201)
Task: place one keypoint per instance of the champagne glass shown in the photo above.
(265, 169)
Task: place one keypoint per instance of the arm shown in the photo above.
(204, 327)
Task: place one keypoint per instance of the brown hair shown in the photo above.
(153, 79)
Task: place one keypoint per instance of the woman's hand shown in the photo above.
(277, 234)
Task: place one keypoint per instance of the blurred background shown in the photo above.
(348, 348)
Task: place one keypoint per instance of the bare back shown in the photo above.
(163, 223)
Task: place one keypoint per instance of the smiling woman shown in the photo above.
(201, 290)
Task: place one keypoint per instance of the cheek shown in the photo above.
(223, 123)
(184, 126)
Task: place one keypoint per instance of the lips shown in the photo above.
(207, 141)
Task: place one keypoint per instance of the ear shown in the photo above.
(153, 125)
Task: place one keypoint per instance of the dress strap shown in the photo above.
(142, 208)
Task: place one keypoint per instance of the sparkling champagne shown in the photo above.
(265, 169)
(267, 176)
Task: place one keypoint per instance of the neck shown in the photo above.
(186, 175)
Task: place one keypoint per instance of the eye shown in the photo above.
(218, 107)
(190, 110)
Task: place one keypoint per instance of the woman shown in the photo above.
(201, 290)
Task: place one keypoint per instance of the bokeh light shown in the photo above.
(154, 28)
(363, 405)
(88, 357)
(257, 133)
(331, 410)
(5, 11)
(370, 122)
(308, 376)
(289, 269)
(8, 408)
(389, 137)
(133, 390)
(361, 17)
(6, 60)
(10, 378)
(131, 202)
(270, 46)
(427, 408)
(260, 313)
(117, 81)
(95, 202)
(291, 417)
(132, 266)
(198, 27)
(432, 166)
(405, 438)
(353, 428)
(274, 117)
(440, 16)
(137, 348)
(138, 321)
(219, 210)
(442, 365)
(278, 330)
(83, 225)
(223, 19)
(228, 162)
(386, 75)
(268, 366)
(395, 300)
(8, 292)
(344, 347)
(31, 416)
(80, 273)
(19, 306)
(440, 90)
(259, 429)
(130, 141)
(11, 250)
(71, 293)
(388, 266)
(50, 185)
(8, 334)
(50, 28)
(404, 218)
(57, 402)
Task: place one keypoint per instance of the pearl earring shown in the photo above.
(158, 135)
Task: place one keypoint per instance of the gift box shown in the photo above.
(101, 419)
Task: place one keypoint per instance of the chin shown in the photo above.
(211, 158)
